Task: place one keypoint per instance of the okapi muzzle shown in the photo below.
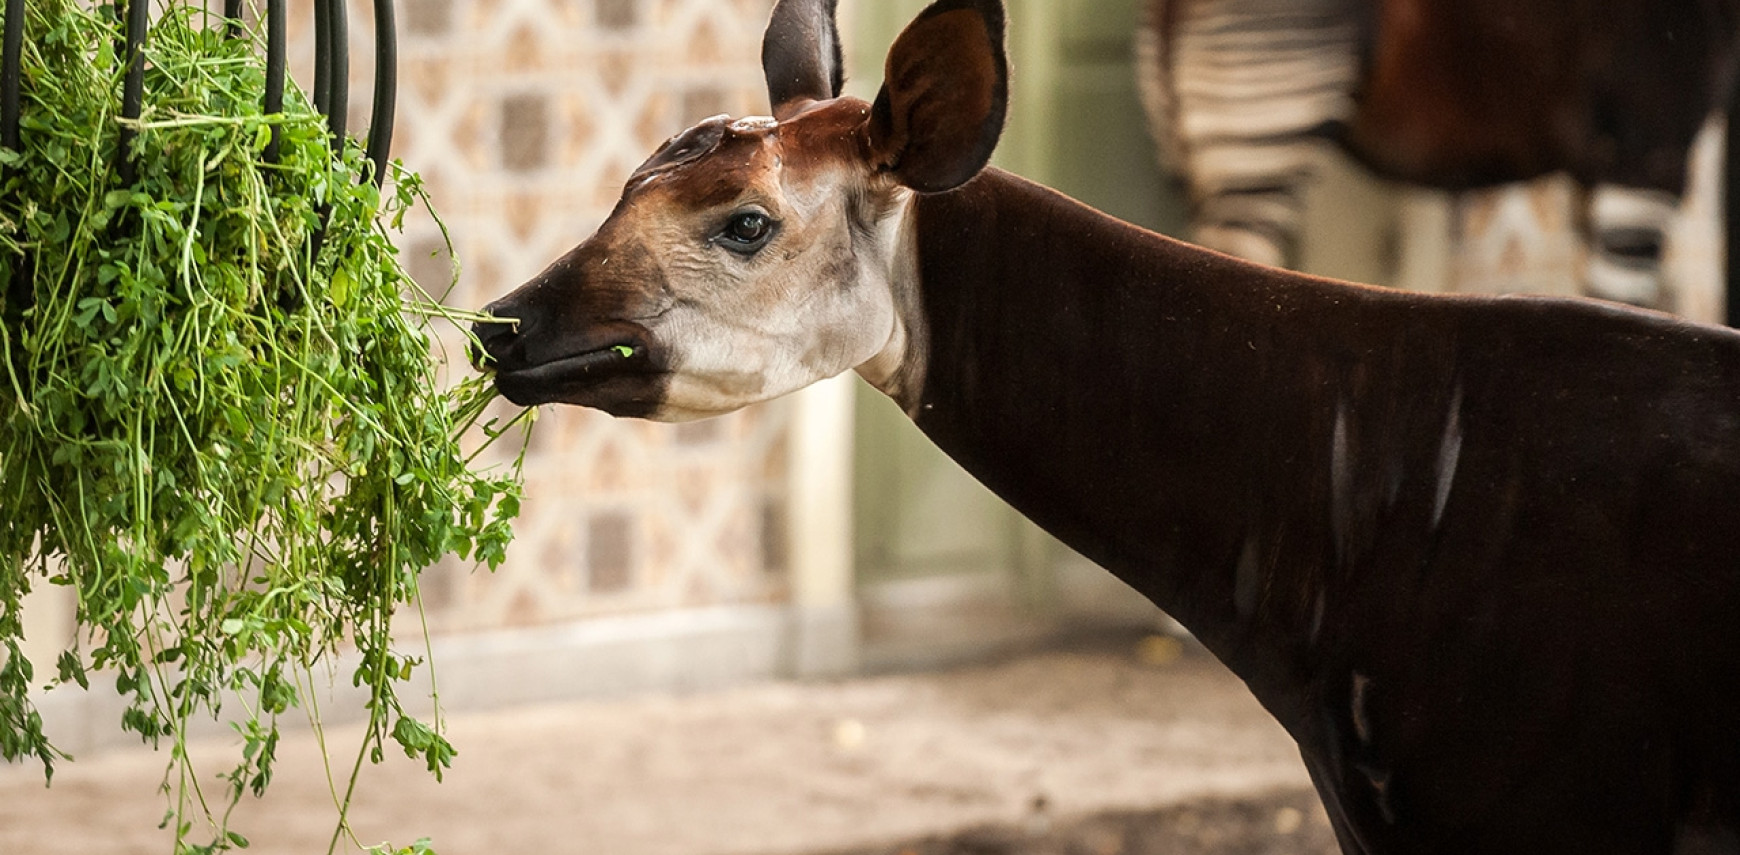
(581, 331)
(578, 333)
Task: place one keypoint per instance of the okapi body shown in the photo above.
(1476, 554)
(1448, 94)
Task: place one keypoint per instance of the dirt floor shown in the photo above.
(1283, 822)
(1114, 748)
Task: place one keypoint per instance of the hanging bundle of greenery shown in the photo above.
(221, 424)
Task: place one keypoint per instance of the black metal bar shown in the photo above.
(386, 89)
(233, 18)
(322, 55)
(11, 64)
(331, 65)
(277, 22)
(339, 72)
(133, 89)
(21, 292)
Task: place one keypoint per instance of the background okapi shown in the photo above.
(1450, 94)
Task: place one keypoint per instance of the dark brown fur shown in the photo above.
(1469, 92)
(1552, 667)
(1478, 555)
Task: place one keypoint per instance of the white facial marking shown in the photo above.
(751, 124)
(814, 301)
(898, 369)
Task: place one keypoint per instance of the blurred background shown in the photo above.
(800, 628)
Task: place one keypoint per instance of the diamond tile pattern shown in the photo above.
(1526, 237)
(1519, 238)
(524, 117)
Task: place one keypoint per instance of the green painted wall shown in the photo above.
(1075, 123)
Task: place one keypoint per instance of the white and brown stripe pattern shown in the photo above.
(1237, 92)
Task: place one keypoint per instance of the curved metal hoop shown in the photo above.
(133, 87)
(18, 296)
(11, 62)
(386, 89)
(335, 57)
(331, 86)
(277, 24)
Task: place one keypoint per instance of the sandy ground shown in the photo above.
(1283, 822)
(1092, 750)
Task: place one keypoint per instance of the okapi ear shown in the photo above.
(800, 54)
(944, 95)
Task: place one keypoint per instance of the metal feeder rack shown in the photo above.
(331, 75)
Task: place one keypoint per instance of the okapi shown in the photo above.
(1478, 555)
(1450, 94)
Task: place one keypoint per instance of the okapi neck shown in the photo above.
(1175, 415)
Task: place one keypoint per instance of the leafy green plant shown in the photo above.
(221, 424)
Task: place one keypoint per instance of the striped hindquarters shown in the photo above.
(1238, 93)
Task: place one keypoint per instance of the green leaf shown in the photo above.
(235, 449)
(340, 289)
(72, 669)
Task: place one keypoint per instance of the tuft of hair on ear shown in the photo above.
(801, 55)
(944, 97)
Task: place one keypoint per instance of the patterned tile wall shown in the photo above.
(1518, 238)
(524, 117)
(1525, 237)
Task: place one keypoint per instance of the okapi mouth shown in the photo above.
(612, 367)
(586, 364)
(620, 379)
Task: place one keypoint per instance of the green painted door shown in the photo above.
(944, 567)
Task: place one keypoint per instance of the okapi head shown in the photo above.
(749, 258)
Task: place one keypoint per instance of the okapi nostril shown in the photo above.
(491, 338)
(480, 358)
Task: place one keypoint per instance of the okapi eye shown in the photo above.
(747, 232)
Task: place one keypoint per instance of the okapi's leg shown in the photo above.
(1237, 94)
(1627, 232)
